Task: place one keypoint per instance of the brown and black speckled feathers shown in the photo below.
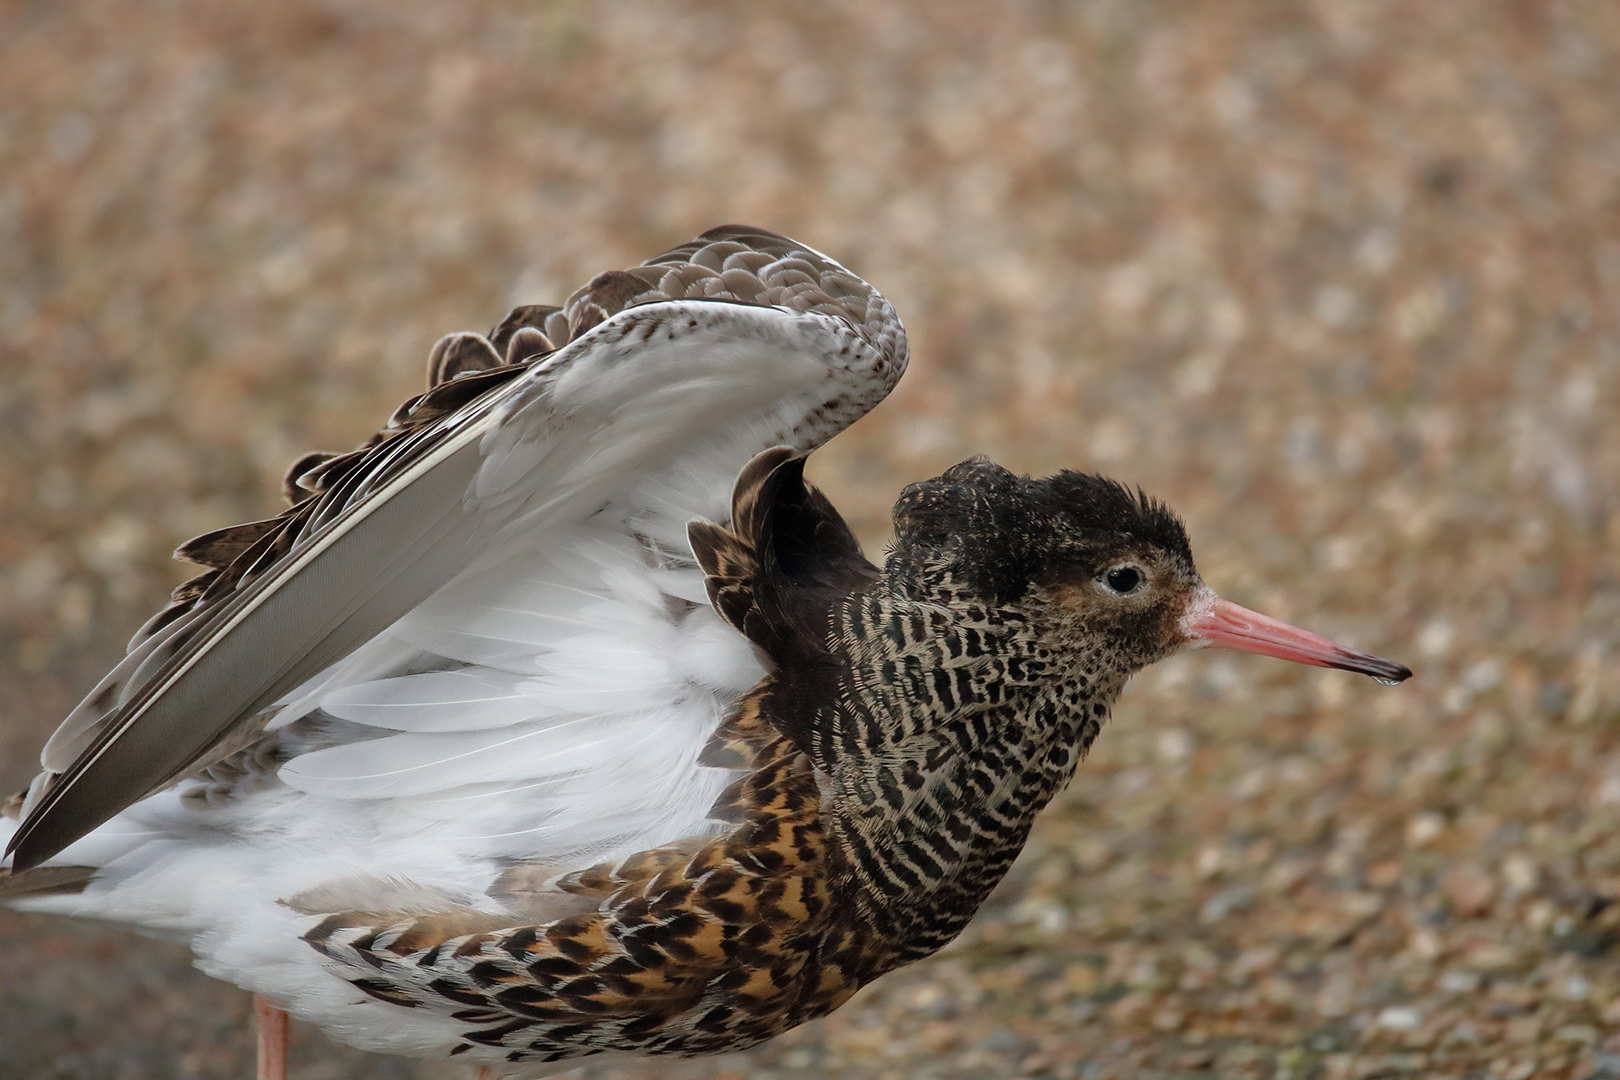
(895, 758)
(700, 947)
(786, 562)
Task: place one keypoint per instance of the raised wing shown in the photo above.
(574, 440)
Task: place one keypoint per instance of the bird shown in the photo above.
(565, 718)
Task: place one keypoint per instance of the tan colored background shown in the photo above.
(1340, 280)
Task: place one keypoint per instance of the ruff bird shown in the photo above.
(564, 718)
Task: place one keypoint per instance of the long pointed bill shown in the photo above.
(1213, 623)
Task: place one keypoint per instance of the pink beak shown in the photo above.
(1213, 623)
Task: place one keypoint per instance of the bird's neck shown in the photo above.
(954, 725)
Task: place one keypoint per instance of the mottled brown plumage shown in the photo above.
(883, 774)
(914, 723)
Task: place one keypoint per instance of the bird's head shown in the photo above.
(1100, 566)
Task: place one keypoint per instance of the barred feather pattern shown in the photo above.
(686, 952)
(957, 721)
(949, 725)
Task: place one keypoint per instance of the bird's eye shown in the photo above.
(1123, 579)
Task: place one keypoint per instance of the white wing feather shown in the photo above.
(549, 702)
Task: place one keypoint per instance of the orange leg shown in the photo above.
(484, 1073)
(272, 1039)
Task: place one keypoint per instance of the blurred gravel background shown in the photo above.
(1340, 280)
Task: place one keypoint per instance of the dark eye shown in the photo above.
(1123, 579)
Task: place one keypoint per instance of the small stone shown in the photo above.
(1423, 829)
(1093, 854)
(1464, 1032)
(1168, 1018)
(1336, 998)
(1605, 1066)
(1424, 943)
(1460, 982)
(1080, 979)
(1223, 903)
(1335, 306)
(1361, 905)
(1129, 1007)
(1520, 873)
(1400, 1018)
(1176, 746)
(1523, 1030)
(1046, 916)
(1384, 873)
(1435, 639)
(1469, 889)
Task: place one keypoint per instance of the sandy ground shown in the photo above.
(1340, 280)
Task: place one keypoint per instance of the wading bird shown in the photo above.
(564, 718)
